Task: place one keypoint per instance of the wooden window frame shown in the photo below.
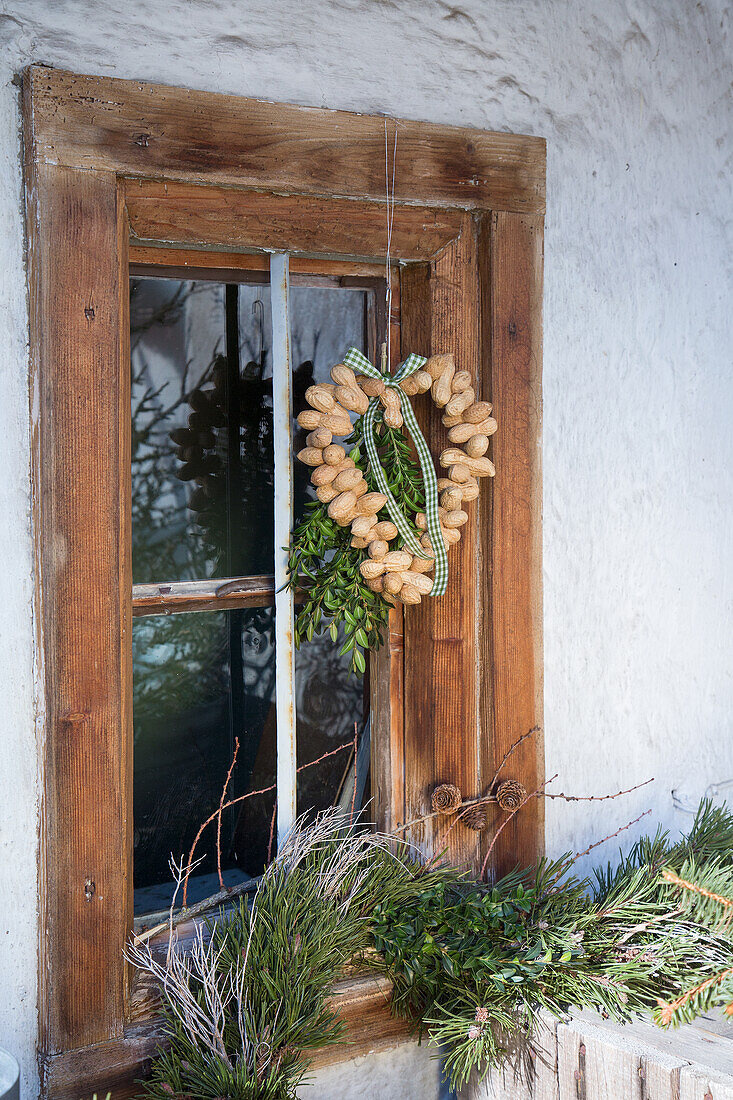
(109, 161)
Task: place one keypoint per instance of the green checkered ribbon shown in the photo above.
(360, 363)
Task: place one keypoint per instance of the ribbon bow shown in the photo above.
(358, 362)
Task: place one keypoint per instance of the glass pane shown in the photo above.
(329, 699)
(325, 322)
(202, 458)
(199, 680)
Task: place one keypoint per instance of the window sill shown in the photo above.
(116, 1066)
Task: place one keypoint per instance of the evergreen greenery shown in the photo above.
(324, 566)
(472, 964)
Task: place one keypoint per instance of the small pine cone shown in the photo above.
(510, 794)
(446, 799)
(482, 1015)
(474, 818)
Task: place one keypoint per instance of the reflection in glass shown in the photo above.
(199, 681)
(202, 458)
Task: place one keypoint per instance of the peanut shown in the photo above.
(477, 446)
(422, 565)
(310, 419)
(371, 503)
(343, 375)
(378, 549)
(423, 379)
(324, 475)
(311, 456)
(479, 466)
(455, 519)
(385, 529)
(352, 398)
(477, 412)
(321, 438)
(459, 402)
(359, 544)
(360, 489)
(410, 386)
(469, 489)
(419, 581)
(319, 398)
(371, 569)
(362, 525)
(393, 582)
(459, 473)
(461, 432)
(339, 425)
(451, 498)
(347, 479)
(437, 364)
(377, 584)
(334, 454)
(326, 493)
(391, 401)
(372, 387)
(461, 381)
(409, 594)
(396, 560)
(451, 421)
(341, 508)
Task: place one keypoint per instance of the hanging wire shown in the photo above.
(389, 196)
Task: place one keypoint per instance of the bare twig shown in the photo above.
(353, 793)
(221, 804)
(229, 893)
(270, 842)
(512, 748)
(596, 797)
(507, 819)
(241, 798)
(579, 855)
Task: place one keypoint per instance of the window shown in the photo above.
(203, 471)
(121, 176)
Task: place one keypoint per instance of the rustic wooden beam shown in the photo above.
(512, 295)
(194, 263)
(80, 410)
(214, 595)
(159, 132)
(186, 213)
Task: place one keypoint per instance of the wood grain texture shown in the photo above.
(214, 595)
(222, 216)
(118, 1065)
(203, 263)
(441, 636)
(159, 132)
(511, 270)
(82, 531)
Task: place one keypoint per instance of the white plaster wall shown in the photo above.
(633, 97)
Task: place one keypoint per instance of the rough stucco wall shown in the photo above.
(633, 98)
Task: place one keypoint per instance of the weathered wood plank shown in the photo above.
(697, 1083)
(205, 215)
(441, 636)
(363, 1003)
(80, 415)
(214, 595)
(156, 131)
(202, 263)
(512, 294)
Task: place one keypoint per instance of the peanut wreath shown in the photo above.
(397, 574)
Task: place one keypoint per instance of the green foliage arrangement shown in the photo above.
(475, 964)
(472, 964)
(324, 567)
